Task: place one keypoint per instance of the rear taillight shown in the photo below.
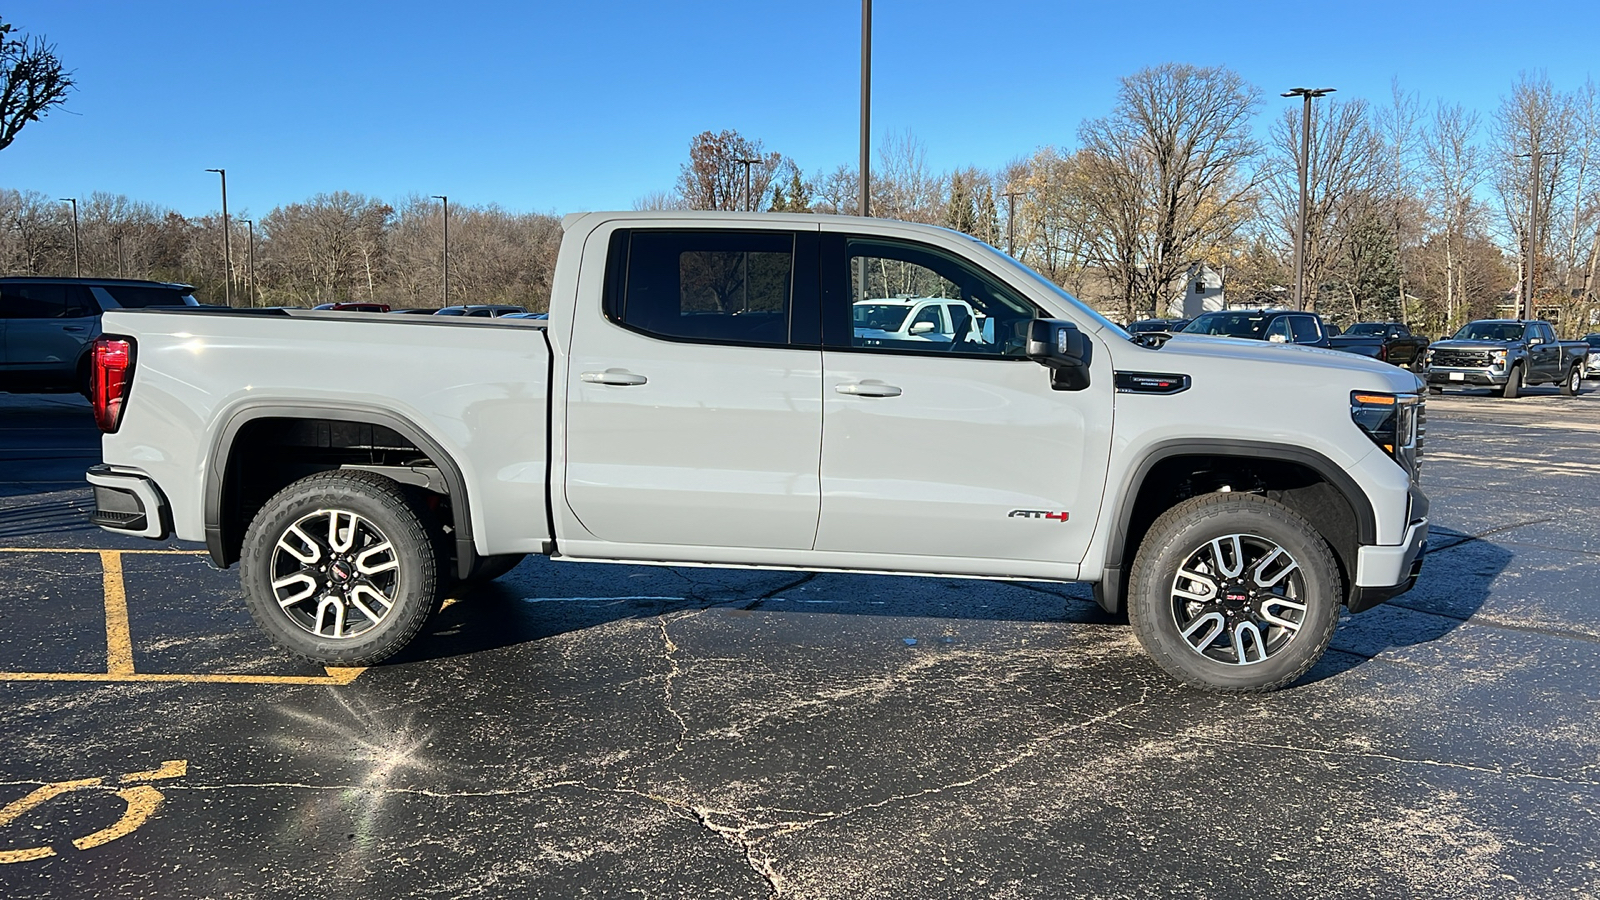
(111, 378)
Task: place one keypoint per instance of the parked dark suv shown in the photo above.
(48, 324)
(1281, 326)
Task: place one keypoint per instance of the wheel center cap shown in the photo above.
(339, 571)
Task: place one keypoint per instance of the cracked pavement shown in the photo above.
(620, 731)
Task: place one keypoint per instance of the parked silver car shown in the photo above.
(48, 324)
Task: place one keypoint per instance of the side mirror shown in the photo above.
(1059, 346)
(922, 327)
(1278, 339)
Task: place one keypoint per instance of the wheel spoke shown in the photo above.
(309, 553)
(1269, 615)
(300, 578)
(364, 590)
(1207, 587)
(1233, 569)
(1245, 636)
(335, 604)
(1216, 623)
(341, 530)
(366, 568)
(1269, 559)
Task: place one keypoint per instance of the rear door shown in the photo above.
(47, 327)
(958, 449)
(693, 408)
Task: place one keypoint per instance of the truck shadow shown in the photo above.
(1456, 580)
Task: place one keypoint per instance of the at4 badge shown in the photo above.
(1036, 514)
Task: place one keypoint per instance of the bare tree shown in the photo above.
(903, 187)
(32, 81)
(1454, 171)
(713, 178)
(1534, 123)
(1170, 177)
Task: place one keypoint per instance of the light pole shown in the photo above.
(1531, 236)
(749, 201)
(1308, 94)
(445, 288)
(1011, 221)
(250, 260)
(227, 245)
(866, 107)
(77, 263)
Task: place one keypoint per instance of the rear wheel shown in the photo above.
(339, 567)
(1234, 592)
(1574, 382)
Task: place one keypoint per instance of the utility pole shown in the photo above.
(1308, 94)
(1536, 157)
(866, 108)
(77, 261)
(749, 201)
(119, 256)
(445, 288)
(1011, 221)
(250, 257)
(227, 244)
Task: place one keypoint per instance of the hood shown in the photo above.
(1471, 345)
(1294, 362)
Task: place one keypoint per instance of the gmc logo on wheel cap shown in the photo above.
(1037, 514)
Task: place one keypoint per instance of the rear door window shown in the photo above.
(1305, 329)
(34, 301)
(726, 287)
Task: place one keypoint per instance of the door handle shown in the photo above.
(868, 388)
(72, 328)
(613, 376)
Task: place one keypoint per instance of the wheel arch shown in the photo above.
(1334, 493)
(224, 537)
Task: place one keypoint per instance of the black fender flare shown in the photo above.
(1108, 592)
(222, 448)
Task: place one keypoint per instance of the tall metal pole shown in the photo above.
(250, 261)
(227, 242)
(445, 288)
(119, 256)
(866, 107)
(749, 201)
(1307, 94)
(77, 259)
(1011, 221)
(1533, 236)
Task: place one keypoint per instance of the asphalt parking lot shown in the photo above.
(615, 731)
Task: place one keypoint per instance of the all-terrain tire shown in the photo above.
(1183, 534)
(304, 522)
(1513, 386)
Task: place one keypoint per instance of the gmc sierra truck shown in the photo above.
(1506, 354)
(700, 395)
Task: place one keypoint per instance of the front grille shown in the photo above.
(1464, 359)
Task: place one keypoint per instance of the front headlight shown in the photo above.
(1392, 421)
(1497, 357)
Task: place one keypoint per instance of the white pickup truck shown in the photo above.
(699, 395)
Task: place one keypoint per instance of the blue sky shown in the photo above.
(564, 106)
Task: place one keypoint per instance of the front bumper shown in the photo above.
(1385, 572)
(1443, 375)
(128, 503)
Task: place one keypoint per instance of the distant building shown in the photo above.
(1202, 292)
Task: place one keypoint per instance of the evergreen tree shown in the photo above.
(959, 212)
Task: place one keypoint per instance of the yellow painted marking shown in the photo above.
(142, 800)
(119, 643)
(172, 768)
(334, 676)
(98, 550)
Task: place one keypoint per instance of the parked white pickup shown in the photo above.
(701, 394)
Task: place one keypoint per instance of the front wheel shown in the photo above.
(1234, 592)
(340, 568)
(1574, 382)
(1513, 385)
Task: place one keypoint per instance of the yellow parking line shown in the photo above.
(335, 676)
(119, 643)
(100, 550)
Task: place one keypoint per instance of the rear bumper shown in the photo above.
(128, 502)
(1385, 572)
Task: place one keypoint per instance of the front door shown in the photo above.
(956, 449)
(694, 415)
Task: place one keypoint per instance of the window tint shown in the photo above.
(138, 297)
(1279, 329)
(34, 301)
(888, 280)
(714, 286)
(1305, 329)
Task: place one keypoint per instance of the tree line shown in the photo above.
(1416, 211)
(330, 248)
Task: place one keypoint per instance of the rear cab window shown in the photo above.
(704, 286)
(130, 296)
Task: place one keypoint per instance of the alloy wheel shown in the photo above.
(335, 574)
(1238, 599)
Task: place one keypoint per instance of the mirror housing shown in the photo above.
(922, 327)
(1059, 346)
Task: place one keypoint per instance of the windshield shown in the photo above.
(1245, 324)
(1368, 328)
(879, 316)
(1490, 331)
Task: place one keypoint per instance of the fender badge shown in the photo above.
(1037, 514)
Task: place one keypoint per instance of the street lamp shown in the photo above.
(250, 260)
(227, 245)
(1308, 94)
(77, 265)
(1011, 221)
(749, 201)
(445, 290)
(866, 106)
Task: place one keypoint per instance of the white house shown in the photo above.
(1202, 292)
